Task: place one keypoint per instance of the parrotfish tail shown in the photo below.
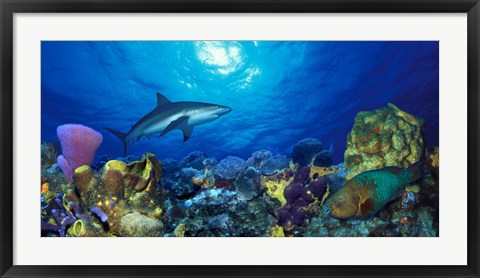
(120, 136)
(416, 169)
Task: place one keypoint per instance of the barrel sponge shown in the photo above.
(79, 144)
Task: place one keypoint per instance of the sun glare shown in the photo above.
(226, 57)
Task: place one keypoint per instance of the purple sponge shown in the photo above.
(79, 144)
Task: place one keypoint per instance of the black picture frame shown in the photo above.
(9, 7)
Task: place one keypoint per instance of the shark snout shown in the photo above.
(222, 110)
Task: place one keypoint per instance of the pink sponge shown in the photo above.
(79, 144)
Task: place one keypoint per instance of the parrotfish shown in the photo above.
(368, 192)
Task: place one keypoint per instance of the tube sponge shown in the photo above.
(79, 144)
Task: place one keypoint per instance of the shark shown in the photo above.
(168, 116)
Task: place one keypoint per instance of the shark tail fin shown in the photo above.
(120, 136)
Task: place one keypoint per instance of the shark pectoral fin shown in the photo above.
(174, 124)
(187, 132)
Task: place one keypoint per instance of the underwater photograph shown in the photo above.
(239, 139)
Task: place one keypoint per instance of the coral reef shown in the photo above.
(121, 188)
(195, 160)
(235, 217)
(95, 204)
(179, 230)
(384, 137)
(266, 195)
(49, 154)
(56, 216)
(79, 144)
(211, 197)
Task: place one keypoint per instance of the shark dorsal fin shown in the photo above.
(161, 100)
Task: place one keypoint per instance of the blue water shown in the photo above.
(279, 92)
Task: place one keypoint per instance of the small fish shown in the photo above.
(368, 192)
(211, 197)
(177, 211)
(204, 197)
(44, 187)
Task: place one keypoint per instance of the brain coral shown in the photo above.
(384, 137)
(230, 167)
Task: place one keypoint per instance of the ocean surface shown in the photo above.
(280, 92)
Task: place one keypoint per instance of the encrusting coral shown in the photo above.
(384, 137)
(276, 184)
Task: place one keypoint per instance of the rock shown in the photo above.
(219, 222)
(273, 165)
(49, 154)
(186, 183)
(258, 158)
(336, 180)
(247, 184)
(179, 230)
(194, 160)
